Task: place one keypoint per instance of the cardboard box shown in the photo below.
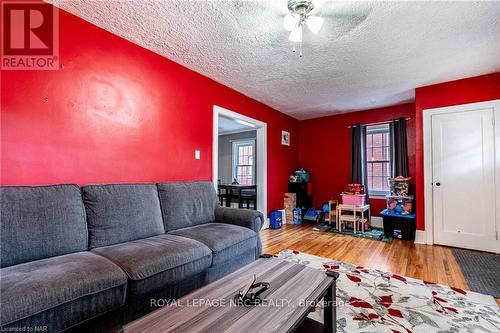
(290, 202)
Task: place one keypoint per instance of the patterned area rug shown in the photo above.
(375, 301)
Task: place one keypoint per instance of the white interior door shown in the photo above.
(463, 179)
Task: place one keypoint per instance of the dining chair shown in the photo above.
(248, 196)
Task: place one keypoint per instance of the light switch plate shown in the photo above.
(197, 154)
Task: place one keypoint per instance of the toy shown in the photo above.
(402, 205)
(325, 208)
(314, 215)
(300, 176)
(354, 189)
(399, 186)
(297, 216)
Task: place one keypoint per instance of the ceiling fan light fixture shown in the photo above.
(296, 34)
(299, 14)
(290, 22)
(314, 23)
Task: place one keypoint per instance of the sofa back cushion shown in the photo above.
(38, 222)
(187, 204)
(118, 213)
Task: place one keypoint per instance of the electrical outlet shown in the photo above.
(197, 154)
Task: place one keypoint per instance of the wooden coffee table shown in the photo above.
(294, 290)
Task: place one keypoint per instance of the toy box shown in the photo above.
(399, 226)
(402, 205)
(275, 219)
(399, 186)
(353, 199)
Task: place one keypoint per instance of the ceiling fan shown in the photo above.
(299, 16)
(345, 16)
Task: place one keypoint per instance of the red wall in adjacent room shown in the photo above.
(325, 149)
(117, 112)
(470, 90)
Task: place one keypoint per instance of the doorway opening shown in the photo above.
(239, 169)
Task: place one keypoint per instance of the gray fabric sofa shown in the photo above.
(70, 256)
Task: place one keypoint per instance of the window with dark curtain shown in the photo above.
(378, 158)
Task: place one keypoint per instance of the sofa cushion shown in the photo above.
(230, 265)
(176, 258)
(66, 316)
(40, 221)
(244, 218)
(187, 204)
(34, 287)
(225, 240)
(118, 213)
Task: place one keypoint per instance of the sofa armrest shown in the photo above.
(251, 219)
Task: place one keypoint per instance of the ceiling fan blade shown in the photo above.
(314, 23)
(290, 22)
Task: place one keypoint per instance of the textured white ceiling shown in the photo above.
(368, 54)
(229, 125)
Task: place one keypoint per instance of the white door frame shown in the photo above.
(428, 176)
(261, 144)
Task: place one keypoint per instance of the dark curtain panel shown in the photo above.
(399, 151)
(364, 161)
(358, 156)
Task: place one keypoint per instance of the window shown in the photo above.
(243, 161)
(378, 155)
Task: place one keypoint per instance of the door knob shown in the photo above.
(438, 184)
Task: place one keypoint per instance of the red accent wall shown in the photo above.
(117, 112)
(470, 90)
(325, 149)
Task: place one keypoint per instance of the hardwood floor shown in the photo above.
(427, 262)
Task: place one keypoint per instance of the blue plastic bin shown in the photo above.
(275, 219)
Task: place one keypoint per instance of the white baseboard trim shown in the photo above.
(377, 222)
(420, 237)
